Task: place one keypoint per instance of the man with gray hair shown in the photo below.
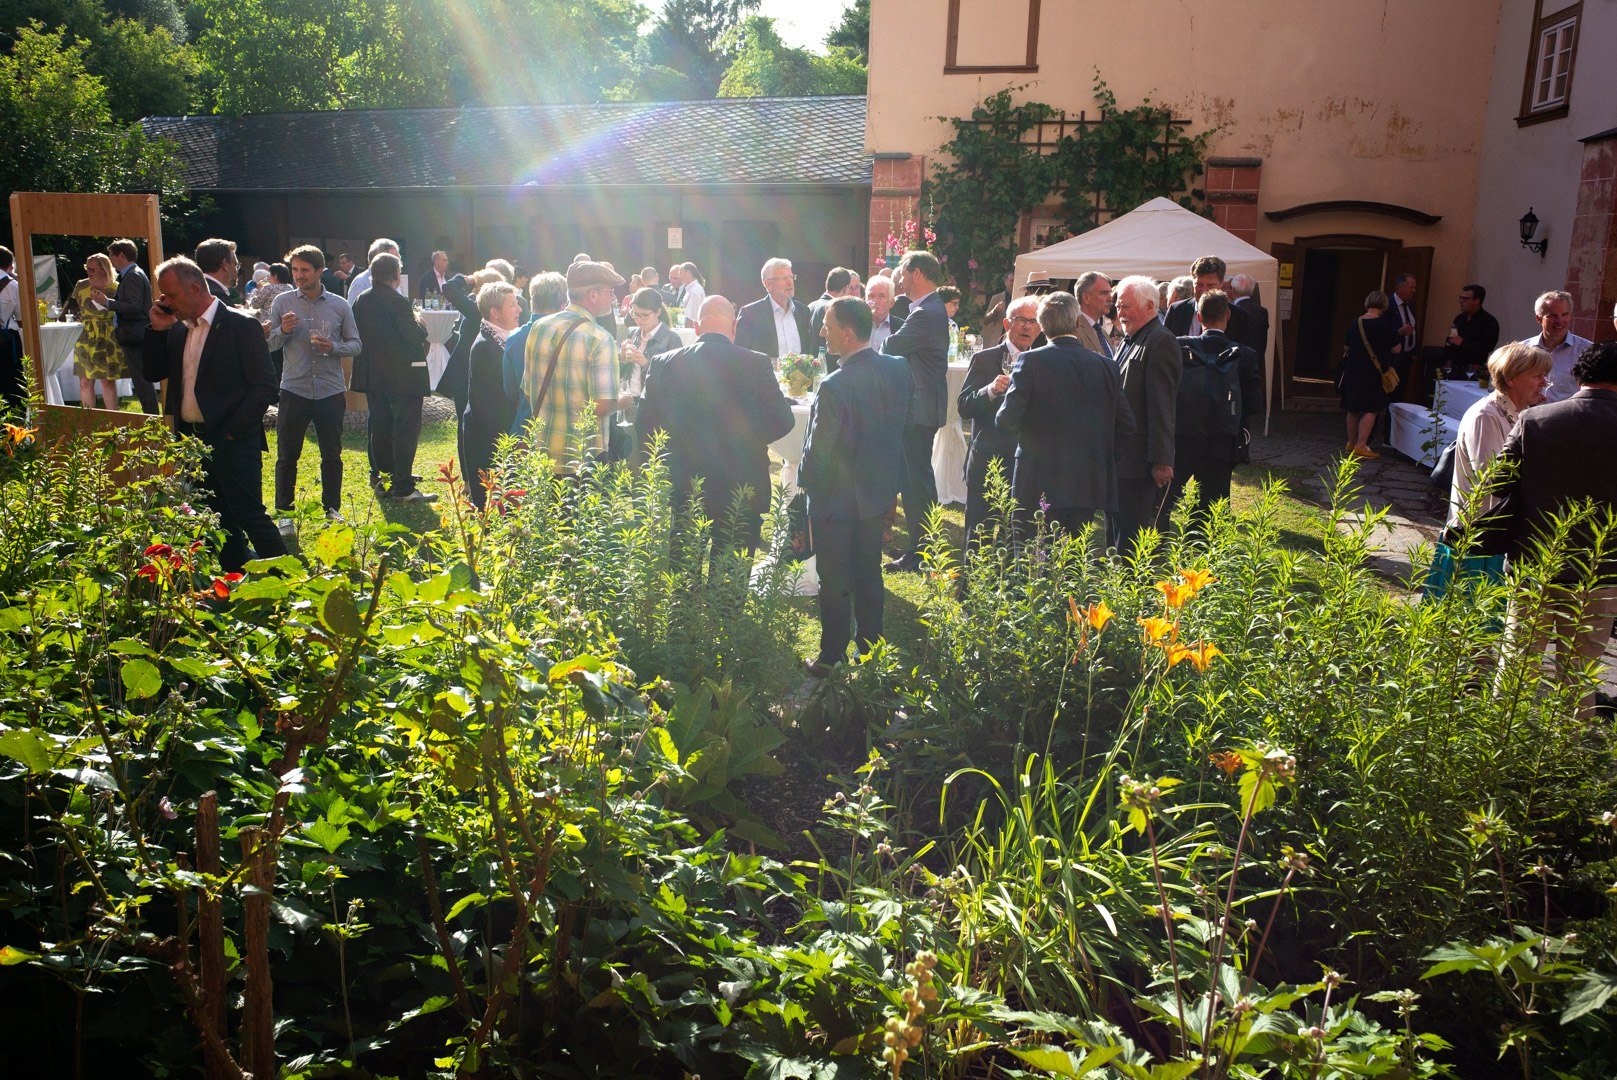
(1094, 292)
(1554, 313)
(1149, 366)
(1243, 293)
(1065, 409)
(979, 401)
(362, 280)
(777, 325)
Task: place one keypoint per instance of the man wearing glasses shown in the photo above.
(1473, 336)
(217, 258)
(777, 325)
(979, 401)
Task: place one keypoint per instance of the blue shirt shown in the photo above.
(512, 363)
(305, 371)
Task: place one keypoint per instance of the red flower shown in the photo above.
(159, 551)
(149, 572)
(221, 586)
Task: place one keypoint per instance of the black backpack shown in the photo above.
(1210, 403)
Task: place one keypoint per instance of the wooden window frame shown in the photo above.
(951, 60)
(1570, 13)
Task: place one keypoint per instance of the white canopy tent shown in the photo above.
(1160, 240)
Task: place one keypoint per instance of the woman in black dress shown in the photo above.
(489, 412)
(1367, 352)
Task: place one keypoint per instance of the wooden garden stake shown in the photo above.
(211, 934)
(258, 1023)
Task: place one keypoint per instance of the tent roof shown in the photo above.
(1160, 238)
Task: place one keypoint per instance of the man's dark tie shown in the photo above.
(1105, 345)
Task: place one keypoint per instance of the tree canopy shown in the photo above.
(765, 66)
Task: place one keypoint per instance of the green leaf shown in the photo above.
(329, 836)
(27, 747)
(141, 678)
(130, 647)
(333, 545)
(296, 914)
(340, 614)
(1063, 1063)
(1595, 988)
(463, 903)
(10, 956)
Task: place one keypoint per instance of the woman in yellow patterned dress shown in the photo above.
(96, 356)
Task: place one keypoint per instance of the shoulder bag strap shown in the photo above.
(1374, 359)
(550, 368)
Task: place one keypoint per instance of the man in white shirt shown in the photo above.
(1554, 313)
(362, 280)
(777, 325)
(879, 295)
(1094, 291)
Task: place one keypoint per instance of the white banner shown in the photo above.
(46, 285)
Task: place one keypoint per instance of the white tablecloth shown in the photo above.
(56, 341)
(949, 445)
(439, 324)
(687, 336)
(1413, 429)
(1454, 396)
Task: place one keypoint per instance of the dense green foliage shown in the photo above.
(990, 174)
(765, 66)
(1127, 818)
(853, 31)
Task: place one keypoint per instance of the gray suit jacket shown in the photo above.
(1562, 454)
(131, 305)
(1150, 366)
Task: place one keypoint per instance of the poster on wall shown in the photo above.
(47, 282)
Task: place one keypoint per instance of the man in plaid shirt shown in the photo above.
(584, 387)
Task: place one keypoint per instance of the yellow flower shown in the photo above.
(1098, 615)
(18, 434)
(1200, 655)
(1176, 653)
(1175, 594)
(1196, 580)
(1072, 609)
(1156, 629)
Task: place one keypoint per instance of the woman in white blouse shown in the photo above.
(1518, 372)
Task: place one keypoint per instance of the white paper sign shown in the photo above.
(676, 238)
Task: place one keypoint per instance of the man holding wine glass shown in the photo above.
(315, 329)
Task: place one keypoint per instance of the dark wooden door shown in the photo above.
(1285, 315)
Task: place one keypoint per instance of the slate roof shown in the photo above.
(726, 142)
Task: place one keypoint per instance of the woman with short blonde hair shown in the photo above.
(1519, 373)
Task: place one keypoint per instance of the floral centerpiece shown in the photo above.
(798, 371)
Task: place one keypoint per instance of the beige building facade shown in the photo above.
(1550, 147)
(1347, 137)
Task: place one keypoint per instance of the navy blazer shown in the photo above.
(755, 328)
(1241, 327)
(853, 458)
(1065, 409)
(721, 407)
(1258, 315)
(235, 382)
(923, 340)
(978, 406)
(1150, 365)
(393, 355)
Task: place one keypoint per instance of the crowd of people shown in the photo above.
(1099, 402)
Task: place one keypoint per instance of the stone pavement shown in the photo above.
(1414, 509)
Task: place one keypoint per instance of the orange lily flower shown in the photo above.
(1157, 628)
(1201, 654)
(1228, 760)
(1175, 594)
(1098, 615)
(1197, 580)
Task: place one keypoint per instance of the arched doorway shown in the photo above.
(1323, 283)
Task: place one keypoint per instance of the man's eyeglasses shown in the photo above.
(1023, 320)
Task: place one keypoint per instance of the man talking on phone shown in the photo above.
(218, 383)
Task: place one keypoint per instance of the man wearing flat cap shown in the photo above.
(570, 368)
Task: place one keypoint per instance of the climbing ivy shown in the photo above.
(988, 177)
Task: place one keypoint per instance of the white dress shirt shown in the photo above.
(359, 285)
(195, 338)
(880, 332)
(1483, 431)
(786, 335)
(1561, 385)
(691, 303)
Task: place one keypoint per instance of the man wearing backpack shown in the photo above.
(1220, 399)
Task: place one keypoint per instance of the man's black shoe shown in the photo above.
(908, 564)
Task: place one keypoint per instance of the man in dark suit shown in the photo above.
(777, 324)
(1202, 447)
(923, 341)
(1065, 409)
(391, 371)
(432, 282)
(1181, 318)
(1150, 367)
(1243, 291)
(839, 282)
(129, 307)
(1560, 455)
(853, 466)
(219, 264)
(1400, 317)
(220, 382)
(979, 402)
(721, 407)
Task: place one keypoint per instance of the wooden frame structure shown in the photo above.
(62, 214)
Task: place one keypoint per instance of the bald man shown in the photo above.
(721, 408)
